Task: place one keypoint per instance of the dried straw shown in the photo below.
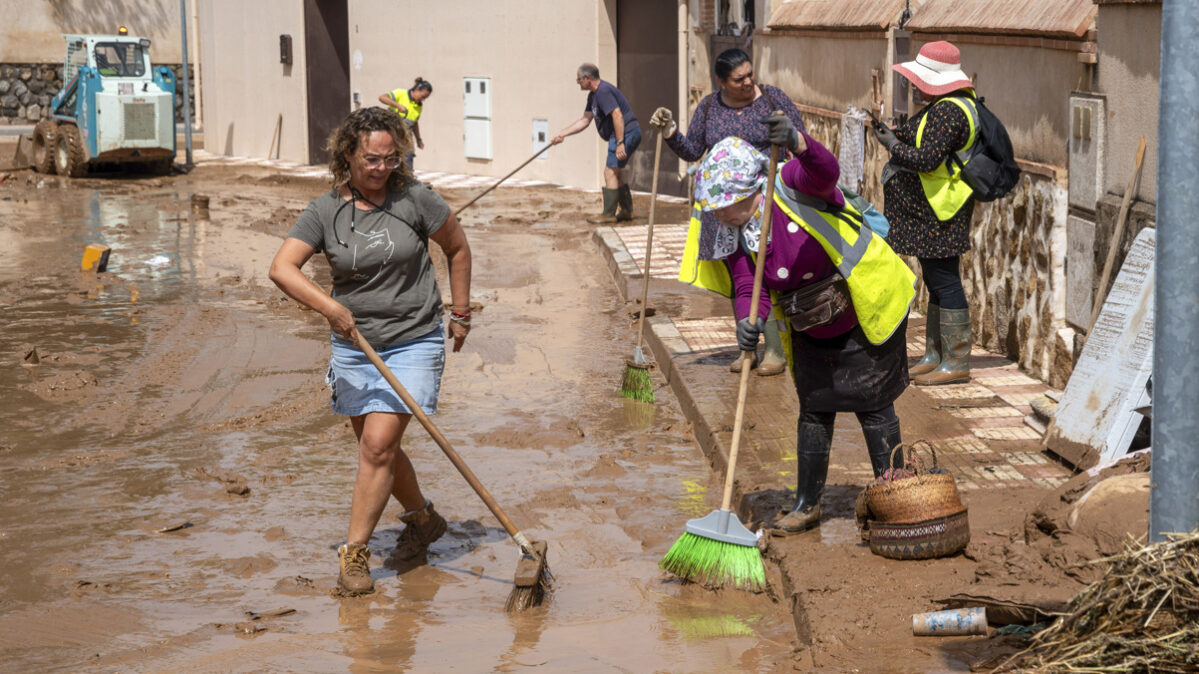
(1142, 616)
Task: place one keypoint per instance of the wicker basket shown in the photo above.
(919, 498)
(936, 537)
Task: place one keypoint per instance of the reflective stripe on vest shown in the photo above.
(881, 285)
(944, 188)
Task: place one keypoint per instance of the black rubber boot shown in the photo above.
(625, 201)
(880, 440)
(815, 441)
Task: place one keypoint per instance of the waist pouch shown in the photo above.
(817, 304)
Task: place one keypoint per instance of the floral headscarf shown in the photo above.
(733, 170)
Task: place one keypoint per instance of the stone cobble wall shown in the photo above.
(26, 90)
(1015, 272)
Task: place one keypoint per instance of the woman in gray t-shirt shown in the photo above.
(374, 227)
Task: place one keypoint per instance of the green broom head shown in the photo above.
(717, 551)
(637, 383)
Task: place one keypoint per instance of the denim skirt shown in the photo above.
(358, 388)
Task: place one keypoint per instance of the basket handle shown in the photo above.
(925, 445)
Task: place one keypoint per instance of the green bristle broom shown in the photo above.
(637, 383)
(717, 550)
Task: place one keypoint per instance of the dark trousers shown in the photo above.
(943, 278)
(877, 417)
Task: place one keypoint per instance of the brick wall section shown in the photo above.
(26, 90)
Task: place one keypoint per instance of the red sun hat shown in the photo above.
(937, 69)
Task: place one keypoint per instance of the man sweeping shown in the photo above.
(616, 124)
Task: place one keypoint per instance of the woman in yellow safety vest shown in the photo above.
(929, 205)
(845, 292)
(409, 103)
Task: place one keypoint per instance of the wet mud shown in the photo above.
(175, 485)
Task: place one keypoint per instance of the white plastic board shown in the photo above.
(1096, 418)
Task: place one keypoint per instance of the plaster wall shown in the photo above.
(1028, 89)
(530, 51)
(1130, 74)
(828, 72)
(34, 33)
(246, 88)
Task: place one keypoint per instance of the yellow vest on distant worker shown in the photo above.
(881, 286)
(944, 187)
(414, 108)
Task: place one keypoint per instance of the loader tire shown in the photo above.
(70, 159)
(45, 143)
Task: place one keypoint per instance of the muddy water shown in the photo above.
(180, 378)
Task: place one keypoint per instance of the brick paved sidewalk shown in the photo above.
(977, 428)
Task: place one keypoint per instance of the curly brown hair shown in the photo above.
(348, 135)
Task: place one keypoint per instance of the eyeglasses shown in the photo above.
(392, 162)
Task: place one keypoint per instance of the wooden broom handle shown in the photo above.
(501, 180)
(438, 437)
(649, 240)
(759, 268)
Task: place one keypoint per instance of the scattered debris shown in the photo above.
(1142, 615)
(174, 527)
(31, 356)
(234, 484)
(954, 622)
(159, 261)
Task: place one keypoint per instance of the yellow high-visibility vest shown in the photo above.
(414, 108)
(881, 286)
(944, 187)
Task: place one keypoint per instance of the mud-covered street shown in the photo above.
(170, 467)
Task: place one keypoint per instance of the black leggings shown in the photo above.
(877, 417)
(943, 278)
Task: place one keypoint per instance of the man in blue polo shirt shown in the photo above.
(615, 122)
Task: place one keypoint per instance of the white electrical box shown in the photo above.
(541, 136)
(476, 112)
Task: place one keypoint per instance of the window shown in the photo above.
(120, 59)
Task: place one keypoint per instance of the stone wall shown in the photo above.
(26, 90)
(1015, 272)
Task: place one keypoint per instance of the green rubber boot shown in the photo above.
(932, 343)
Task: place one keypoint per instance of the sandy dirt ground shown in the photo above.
(175, 485)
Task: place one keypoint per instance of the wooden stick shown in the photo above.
(767, 217)
(497, 183)
(275, 134)
(649, 241)
(441, 441)
(1117, 236)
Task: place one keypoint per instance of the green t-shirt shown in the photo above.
(381, 268)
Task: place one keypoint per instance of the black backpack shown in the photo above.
(990, 167)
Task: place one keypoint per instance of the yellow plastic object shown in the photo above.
(95, 256)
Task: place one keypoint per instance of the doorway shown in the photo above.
(327, 58)
(648, 75)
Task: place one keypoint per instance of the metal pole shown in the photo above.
(1174, 495)
(187, 113)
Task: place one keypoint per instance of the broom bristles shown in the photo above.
(715, 564)
(521, 598)
(637, 384)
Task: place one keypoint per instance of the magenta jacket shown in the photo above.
(793, 258)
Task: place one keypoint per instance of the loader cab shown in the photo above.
(121, 58)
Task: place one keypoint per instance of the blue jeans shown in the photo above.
(632, 138)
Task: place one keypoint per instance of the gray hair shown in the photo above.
(589, 70)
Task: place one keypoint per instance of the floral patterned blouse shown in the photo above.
(915, 229)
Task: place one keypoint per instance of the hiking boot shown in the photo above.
(625, 201)
(608, 216)
(955, 355)
(423, 527)
(932, 343)
(815, 441)
(355, 576)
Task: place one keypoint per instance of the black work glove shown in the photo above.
(884, 134)
(782, 131)
(747, 334)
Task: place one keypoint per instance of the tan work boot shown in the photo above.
(355, 576)
(424, 527)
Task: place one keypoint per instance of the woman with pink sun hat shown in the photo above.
(929, 205)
